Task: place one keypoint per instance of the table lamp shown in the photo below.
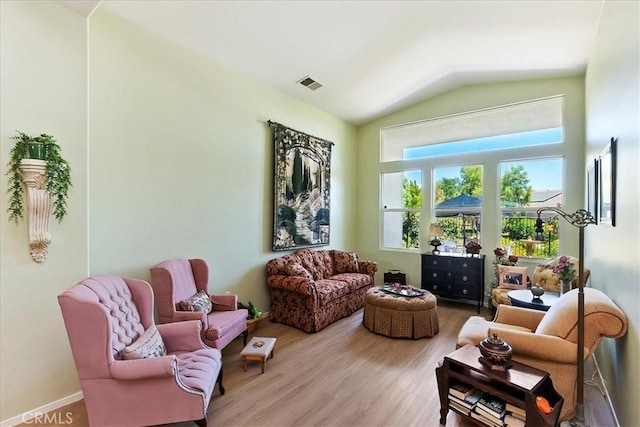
(436, 231)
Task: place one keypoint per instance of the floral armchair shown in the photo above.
(543, 275)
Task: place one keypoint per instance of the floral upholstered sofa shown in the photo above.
(311, 289)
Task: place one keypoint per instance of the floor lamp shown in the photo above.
(580, 218)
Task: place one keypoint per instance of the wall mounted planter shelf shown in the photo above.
(38, 207)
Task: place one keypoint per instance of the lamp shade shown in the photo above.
(435, 230)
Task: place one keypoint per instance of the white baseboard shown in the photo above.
(32, 416)
(606, 391)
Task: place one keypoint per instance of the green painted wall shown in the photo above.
(43, 90)
(182, 161)
(613, 253)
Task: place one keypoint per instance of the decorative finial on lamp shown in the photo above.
(436, 231)
(539, 229)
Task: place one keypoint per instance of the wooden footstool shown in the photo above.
(259, 348)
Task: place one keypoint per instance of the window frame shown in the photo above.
(490, 162)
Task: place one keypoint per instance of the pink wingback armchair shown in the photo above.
(178, 279)
(105, 314)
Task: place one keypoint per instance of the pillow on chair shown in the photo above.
(198, 302)
(149, 344)
(512, 277)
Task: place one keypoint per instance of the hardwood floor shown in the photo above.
(343, 375)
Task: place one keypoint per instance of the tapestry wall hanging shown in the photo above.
(301, 189)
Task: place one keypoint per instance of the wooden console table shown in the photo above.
(519, 386)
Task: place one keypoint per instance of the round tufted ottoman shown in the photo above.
(400, 317)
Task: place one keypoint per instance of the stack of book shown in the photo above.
(463, 397)
(490, 410)
(484, 407)
(515, 416)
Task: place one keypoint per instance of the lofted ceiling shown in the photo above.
(374, 57)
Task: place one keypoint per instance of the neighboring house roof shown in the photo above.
(461, 201)
(462, 204)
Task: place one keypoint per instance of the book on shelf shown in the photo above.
(484, 420)
(471, 400)
(516, 410)
(460, 390)
(492, 404)
(511, 421)
(493, 417)
(458, 407)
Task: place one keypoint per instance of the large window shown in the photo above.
(510, 160)
(401, 203)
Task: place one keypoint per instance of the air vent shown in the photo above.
(308, 82)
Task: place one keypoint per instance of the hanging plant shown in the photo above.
(57, 173)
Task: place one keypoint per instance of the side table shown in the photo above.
(524, 298)
(519, 385)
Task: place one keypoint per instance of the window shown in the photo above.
(486, 160)
(523, 124)
(458, 205)
(401, 203)
(525, 187)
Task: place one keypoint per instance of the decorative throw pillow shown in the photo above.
(296, 269)
(512, 277)
(149, 344)
(546, 278)
(346, 262)
(198, 302)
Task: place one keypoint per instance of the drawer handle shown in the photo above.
(464, 278)
(448, 274)
(435, 275)
(464, 264)
(435, 262)
(464, 291)
(435, 287)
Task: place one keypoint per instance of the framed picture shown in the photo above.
(301, 189)
(607, 184)
(592, 189)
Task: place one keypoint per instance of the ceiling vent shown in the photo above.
(308, 82)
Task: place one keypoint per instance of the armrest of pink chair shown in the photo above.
(137, 369)
(538, 346)
(519, 316)
(181, 336)
(181, 316)
(227, 302)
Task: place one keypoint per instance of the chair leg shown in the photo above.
(201, 422)
(245, 334)
(219, 381)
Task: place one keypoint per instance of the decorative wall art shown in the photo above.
(301, 189)
(592, 189)
(607, 185)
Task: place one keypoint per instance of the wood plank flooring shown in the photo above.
(343, 375)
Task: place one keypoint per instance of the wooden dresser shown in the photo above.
(454, 276)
